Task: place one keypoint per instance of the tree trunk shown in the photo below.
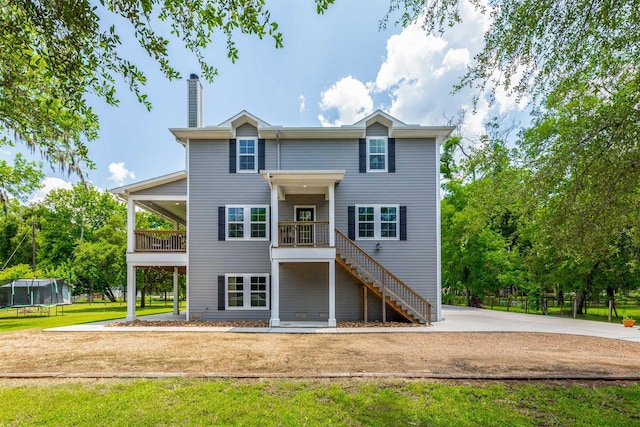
(560, 298)
(581, 297)
(90, 294)
(611, 296)
(109, 293)
(143, 304)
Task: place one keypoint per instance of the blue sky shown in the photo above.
(334, 69)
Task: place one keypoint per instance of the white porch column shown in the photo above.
(176, 292)
(131, 292)
(332, 293)
(332, 216)
(275, 234)
(131, 225)
(275, 293)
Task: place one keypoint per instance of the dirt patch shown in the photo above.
(298, 355)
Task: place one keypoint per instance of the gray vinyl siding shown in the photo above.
(377, 129)
(413, 185)
(246, 130)
(303, 287)
(287, 206)
(176, 188)
(210, 186)
(304, 291)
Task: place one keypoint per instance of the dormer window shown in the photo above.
(377, 154)
(246, 154)
(247, 150)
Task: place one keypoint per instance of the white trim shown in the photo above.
(246, 292)
(332, 294)
(150, 259)
(255, 154)
(246, 221)
(386, 153)
(275, 294)
(377, 221)
(188, 228)
(332, 215)
(125, 190)
(160, 197)
(296, 254)
(438, 238)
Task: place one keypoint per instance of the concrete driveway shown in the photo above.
(456, 319)
(467, 319)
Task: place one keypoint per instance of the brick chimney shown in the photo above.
(195, 112)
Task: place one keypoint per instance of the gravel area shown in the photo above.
(458, 354)
(248, 324)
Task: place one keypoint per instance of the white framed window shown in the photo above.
(247, 154)
(247, 291)
(377, 151)
(378, 222)
(247, 222)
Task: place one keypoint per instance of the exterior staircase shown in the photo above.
(381, 282)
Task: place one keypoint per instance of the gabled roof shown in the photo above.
(125, 190)
(397, 129)
(381, 117)
(241, 118)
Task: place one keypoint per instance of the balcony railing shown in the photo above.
(303, 233)
(161, 241)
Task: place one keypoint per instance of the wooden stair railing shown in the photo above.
(381, 281)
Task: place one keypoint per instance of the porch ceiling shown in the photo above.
(173, 210)
(303, 182)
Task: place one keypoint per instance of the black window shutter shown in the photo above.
(391, 155)
(232, 156)
(261, 155)
(221, 293)
(403, 223)
(362, 146)
(222, 223)
(351, 221)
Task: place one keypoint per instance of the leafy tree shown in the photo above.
(15, 238)
(20, 271)
(54, 54)
(148, 279)
(69, 217)
(18, 181)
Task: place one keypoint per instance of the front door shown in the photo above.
(305, 232)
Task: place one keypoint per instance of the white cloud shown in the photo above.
(302, 104)
(417, 78)
(349, 98)
(119, 173)
(47, 185)
(6, 154)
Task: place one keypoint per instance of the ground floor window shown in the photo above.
(247, 291)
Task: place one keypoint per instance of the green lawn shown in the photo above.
(197, 402)
(600, 314)
(76, 313)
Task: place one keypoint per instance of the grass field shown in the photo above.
(197, 402)
(599, 313)
(12, 319)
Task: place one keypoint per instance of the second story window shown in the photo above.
(377, 154)
(247, 150)
(247, 222)
(378, 222)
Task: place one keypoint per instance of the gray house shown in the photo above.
(292, 224)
